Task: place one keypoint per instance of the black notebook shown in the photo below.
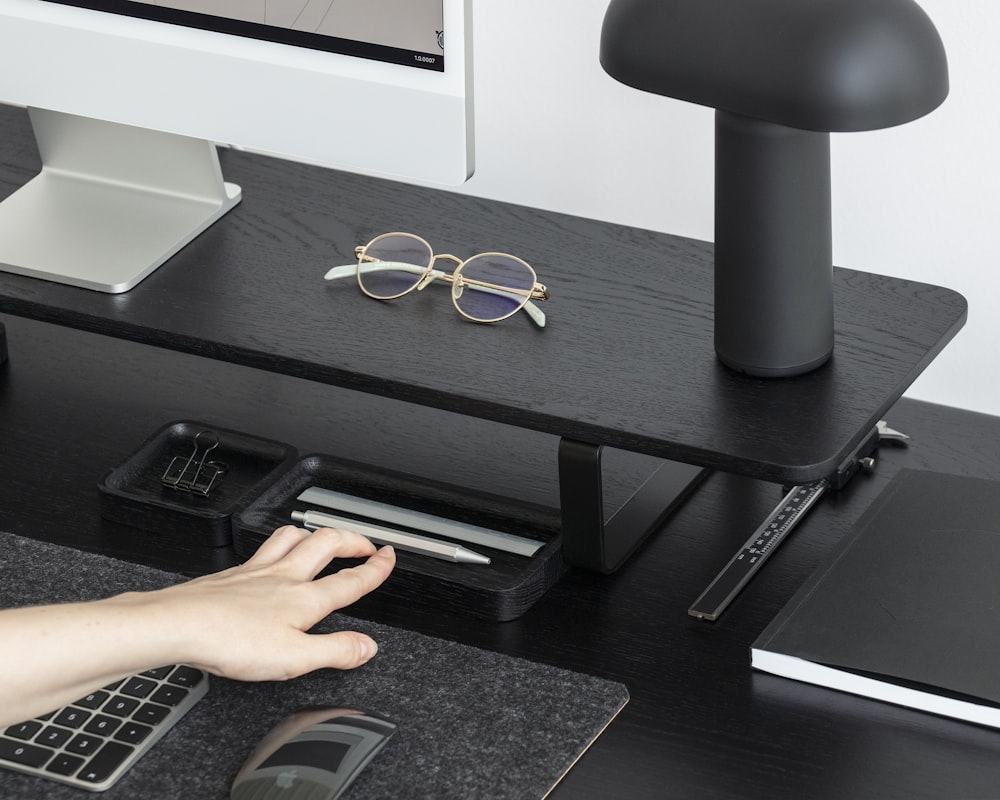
(907, 609)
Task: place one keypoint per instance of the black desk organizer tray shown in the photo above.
(502, 590)
(133, 493)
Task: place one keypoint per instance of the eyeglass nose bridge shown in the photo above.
(433, 274)
(450, 257)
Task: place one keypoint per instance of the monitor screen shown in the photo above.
(409, 32)
(138, 93)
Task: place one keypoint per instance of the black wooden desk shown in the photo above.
(75, 402)
(700, 723)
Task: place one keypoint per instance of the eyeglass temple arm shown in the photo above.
(347, 270)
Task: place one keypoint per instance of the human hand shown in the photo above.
(250, 622)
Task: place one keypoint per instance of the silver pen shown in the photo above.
(411, 542)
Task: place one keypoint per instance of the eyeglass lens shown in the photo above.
(483, 297)
(404, 259)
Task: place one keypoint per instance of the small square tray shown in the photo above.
(134, 494)
(502, 590)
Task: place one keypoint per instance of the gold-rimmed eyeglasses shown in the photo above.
(488, 287)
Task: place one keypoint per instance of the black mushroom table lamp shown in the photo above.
(781, 74)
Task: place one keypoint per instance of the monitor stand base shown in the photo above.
(111, 203)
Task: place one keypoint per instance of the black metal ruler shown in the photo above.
(751, 557)
(780, 522)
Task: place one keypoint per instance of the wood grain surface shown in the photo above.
(626, 359)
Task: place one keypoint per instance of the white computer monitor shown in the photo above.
(127, 112)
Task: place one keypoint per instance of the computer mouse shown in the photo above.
(314, 754)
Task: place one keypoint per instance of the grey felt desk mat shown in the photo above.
(472, 724)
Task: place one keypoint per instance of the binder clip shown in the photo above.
(195, 473)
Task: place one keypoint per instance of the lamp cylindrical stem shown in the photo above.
(773, 247)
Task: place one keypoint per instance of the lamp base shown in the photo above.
(758, 371)
(773, 247)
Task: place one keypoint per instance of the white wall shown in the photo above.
(918, 201)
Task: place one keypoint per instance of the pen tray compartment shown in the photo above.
(501, 590)
(133, 493)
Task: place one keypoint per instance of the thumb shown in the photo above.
(343, 650)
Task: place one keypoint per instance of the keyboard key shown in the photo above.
(20, 753)
(64, 764)
(133, 733)
(151, 714)
(84, 744)
(72, 717)
(138, 687)
(111, 756)
(102, 725)
(25, 730)
(169, 695)
(159, 673)
(121, 706)
(92, 700)
(186, 676)
(53, 736)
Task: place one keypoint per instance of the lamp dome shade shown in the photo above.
(820, 65)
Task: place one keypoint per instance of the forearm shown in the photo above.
(53, 655)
